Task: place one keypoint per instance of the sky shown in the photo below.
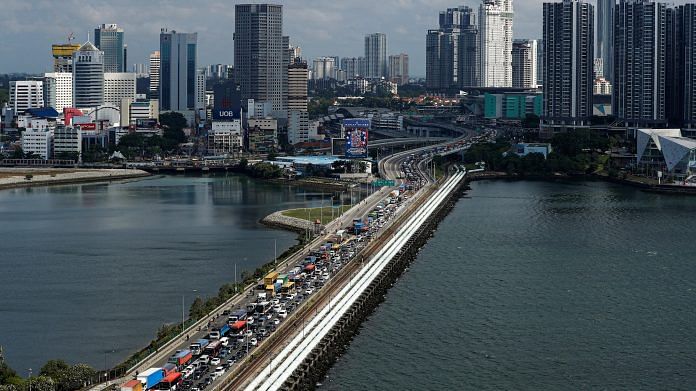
(319, 27)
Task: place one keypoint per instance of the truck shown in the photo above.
(309, 259)
(236, 316)
(283, 278)
(132, 385)
(270, 278)
(309, 268)
(218, 333)
(238, 326)
(151, 377)
(277, 286)
(198, 346)
(181, 359)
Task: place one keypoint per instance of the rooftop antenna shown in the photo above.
(87, 36)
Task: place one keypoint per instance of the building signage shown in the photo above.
(357, 133)
(225, 114)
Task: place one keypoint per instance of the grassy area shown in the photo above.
(314, 214)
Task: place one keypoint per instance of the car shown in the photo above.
(225, 341)
(215, 361)
(250, 320)
(248, 333)
(283, 314)
(204, 359)
(219, 371)
(253, 342)
(198, 374)
(188, 371)
(195, 389)
(325, 276)
(276, 321)
(309, 291)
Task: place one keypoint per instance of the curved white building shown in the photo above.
(88, 76)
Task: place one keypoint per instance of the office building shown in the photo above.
(67, 142)
(26, 94)
(260, 53)
(524, 63)
(88, 77)
(495, 43)
(639, 71)
(178, 67)
(262, 135)
(297, 87)
(117, 86)
(109, 39)
(324, 68)
(38, 142)
(133, 111)
(63, 56)
(376, 55)
(154, 74)
(605, 36)
(298, 126)
(452, 51)
(58, 90)
(540, 62)
(688, 13)
(568, 33)
(398, 68)
(352, 66)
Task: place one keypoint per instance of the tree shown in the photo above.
(272, 156)
(77, 377)
(41, 383)
(54, 369)
(173, 121)
(18, 153)
(7, 374)
(243, 164)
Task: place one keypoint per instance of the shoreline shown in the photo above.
(46, 178)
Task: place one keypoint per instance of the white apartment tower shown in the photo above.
(58, 90)
(495, 43)
(154, 74)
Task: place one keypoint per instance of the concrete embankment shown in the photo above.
(31, 177)
(314, 368)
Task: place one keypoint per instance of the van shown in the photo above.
(261, 296)
(215, 334)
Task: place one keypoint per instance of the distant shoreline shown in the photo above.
(54, 177)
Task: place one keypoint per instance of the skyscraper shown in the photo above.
(605, 36)
(495, 43)
(178, 65)
(452, 50)
(639, 63)
(681, 66)
(350, 66)
(297, 86)
(524, 63)
(376, 55)
(398, 68)
(568, 62)
(154, 74)
(88, 77)
(260, 53)
(109, 39)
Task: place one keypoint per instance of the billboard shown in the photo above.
(357, 132)
(226, 114)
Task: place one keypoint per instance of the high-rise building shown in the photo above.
(362, 66)
(58, 90)
(109, 39)
(178, 66)
(62, 56)
(200, 89)
(350, 66)
(323, 68)
(568, 61)
(605, 36)
(681, 66)
(118, 86)
(452, 51)
(376, 55)
(154, 74)
(540, 62)
(88, 77)
(297, 86)
(639, 63)
(524, 63)
(260, 53)
(26, 94)
(495, 43)
(398, 68)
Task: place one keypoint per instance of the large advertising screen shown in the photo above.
(357, 133)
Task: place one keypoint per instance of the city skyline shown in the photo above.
(320, 28)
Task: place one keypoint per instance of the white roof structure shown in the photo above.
(643, 137)
(675, 149)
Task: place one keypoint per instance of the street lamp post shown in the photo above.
(29, 379)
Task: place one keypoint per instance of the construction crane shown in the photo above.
(71, 37)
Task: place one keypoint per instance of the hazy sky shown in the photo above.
(320, 27)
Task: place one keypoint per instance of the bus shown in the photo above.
(263, 307)
(170, 382)
(213, 349)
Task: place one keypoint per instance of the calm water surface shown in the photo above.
(91, 269)
(540, 286)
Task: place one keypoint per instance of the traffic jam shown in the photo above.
(236, 332)
(243, 328)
